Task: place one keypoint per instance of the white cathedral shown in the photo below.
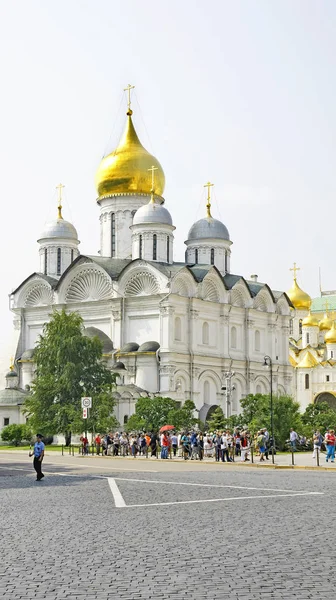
(190, 330)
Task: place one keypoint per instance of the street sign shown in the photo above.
(85, 413)
(86, 402)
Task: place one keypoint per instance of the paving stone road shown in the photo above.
(65, 538)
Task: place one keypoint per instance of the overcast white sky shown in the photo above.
(238, 92)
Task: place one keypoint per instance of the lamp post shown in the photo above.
(228, 388)
(268, 363)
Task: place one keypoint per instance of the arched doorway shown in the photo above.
(211, 412)
(327, 397)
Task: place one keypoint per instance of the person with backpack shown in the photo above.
(261, 442)
(317, 441)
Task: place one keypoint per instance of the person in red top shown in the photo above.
(165, 443)
(98, 443)
(330, 441)
(85, 443)
(244, 447)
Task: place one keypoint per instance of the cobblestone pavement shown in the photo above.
(63, 537)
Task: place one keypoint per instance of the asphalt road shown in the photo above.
(97, 528)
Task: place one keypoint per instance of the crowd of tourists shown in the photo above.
(321, 443)
(224, 445)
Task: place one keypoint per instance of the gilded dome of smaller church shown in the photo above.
(310, 321)
(330, 336)
(326, 323)
(298, 297)
(126, 170)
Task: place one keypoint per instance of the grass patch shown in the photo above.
(48, 448)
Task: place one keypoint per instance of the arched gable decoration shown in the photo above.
(210, 292)
(240, 294)
(142, 283)
(38, 295)
(282, 305)
(184, 284)
(213, 286)
(89, 284)
(264, 300)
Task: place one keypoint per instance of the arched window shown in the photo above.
(226, 262)
(154, 246)
(59, 261)
(196, 257)
(307, 334)
(233, 337)
(300, 326)
(306, 381)
(72, 255)
(206, 393)
(290, 326)
(178, 332)
(45, 261)
(168, 258)
(258, 389)
(113, 236)
(257, 341)
(125, 419)
(212, 256)
(140, 246)
(205, 333)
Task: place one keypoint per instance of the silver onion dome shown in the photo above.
(59, 228)
(208, 228)
(152, 213)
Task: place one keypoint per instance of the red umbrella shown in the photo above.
(166, 428)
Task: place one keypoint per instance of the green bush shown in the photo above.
(16, 433)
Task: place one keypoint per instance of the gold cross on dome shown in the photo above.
(295, 269)
(326, 306)
(208, 206)
(153, 169)
(60, 187)
(128, 90)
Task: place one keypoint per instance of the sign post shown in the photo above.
(86, 405)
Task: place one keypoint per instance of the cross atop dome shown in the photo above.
(128, 90)
(208, 206)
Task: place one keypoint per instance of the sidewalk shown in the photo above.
(302, 460)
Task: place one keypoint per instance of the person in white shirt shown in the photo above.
(293, 437)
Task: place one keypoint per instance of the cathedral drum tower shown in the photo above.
(123, 184)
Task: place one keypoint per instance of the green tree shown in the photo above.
(217, 420)
(16, 433)
(286, 414)
(151, 414)
(319, 416)
(68, 366)
(183, 417)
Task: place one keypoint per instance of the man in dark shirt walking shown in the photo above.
(38, 454)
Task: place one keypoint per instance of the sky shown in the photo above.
(239, 93)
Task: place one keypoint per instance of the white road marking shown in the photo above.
(118, 499)
(211, 485)
(225, 499)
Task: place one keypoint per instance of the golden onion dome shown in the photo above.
(310, 321)
(330, 336)
(298, 297)
(127, 169)
(326, 323)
